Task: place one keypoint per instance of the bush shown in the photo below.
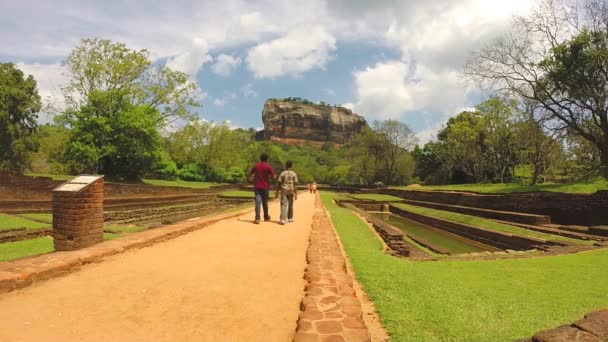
(191, 172)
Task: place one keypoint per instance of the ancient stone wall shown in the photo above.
(488, 237)
(581, 209)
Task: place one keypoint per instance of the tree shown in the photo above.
(460, 148)
(536, 146)
(117, 101)
(51, 141)
(395, 138)
(19, 105)
(556, 57)
(498, 137)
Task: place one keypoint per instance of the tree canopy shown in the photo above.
(19, 105)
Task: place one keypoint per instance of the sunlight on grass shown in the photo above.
(497, 300)
(377, 197)
(180, 183)
(24, 248)
(488, 224)
(13, 222)
(579, 188)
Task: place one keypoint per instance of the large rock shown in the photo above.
(296, 122)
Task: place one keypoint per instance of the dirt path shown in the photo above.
(231, 281)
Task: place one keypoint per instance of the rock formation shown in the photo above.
(296, 122)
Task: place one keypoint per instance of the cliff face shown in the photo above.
(294, 122)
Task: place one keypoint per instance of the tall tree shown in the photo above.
(117, 101)
(557, 57)
(395, 139)
(19, 105)
(498, 134)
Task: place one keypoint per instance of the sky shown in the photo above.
(385, 59)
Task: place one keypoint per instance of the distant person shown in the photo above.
(310, 188)
(287, 190)
(260, 174)
(314, 187)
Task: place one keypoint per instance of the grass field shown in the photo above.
(479, 301)
(38, 217)
(55, 177)
(12, 222)
(377, 197)
(579, 188)
(180, 183)
(488, 224)
(24, 248)
(242, 193)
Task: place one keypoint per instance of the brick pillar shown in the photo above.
(78, 213)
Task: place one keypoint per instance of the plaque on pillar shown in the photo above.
(78, 213)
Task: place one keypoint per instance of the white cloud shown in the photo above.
(298, 51)
(330, 92)
(222, 101)
(49, 78)
(394, 88)
(248, 90)
(225, 64)
(219, 102)
(192, 60)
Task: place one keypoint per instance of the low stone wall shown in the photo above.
(592, 328)
(159, 213)
(488, 213)
(488, 237)
(392, 236)
(23, 234)
(563, 208)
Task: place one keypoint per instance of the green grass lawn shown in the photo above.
(12, 222)
(180, 183)
(38, 217)
(123, 229)
(582, 188)
(24, 248)
(488, 224)
(498, 300)
(377, 197)
(55, 177)
(242, 193)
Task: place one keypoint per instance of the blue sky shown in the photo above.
(384, 59)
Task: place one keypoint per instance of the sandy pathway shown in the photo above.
(231, 281)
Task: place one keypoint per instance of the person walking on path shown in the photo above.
(287, 190)
(260, 174)
(314, 187)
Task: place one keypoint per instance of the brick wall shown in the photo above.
(78, 217)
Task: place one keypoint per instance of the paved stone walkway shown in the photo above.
(331, 311)
(230, 281)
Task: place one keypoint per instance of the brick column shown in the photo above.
(78, 213)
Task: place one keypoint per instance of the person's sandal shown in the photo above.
(256, 221)
(266, 219)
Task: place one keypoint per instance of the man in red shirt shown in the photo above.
(260, 175)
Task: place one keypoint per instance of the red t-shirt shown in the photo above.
(262, 171)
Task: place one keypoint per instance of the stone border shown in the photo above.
(21, 273)
(393, 237)
(23, 234)
(592, 328)
(331, 311)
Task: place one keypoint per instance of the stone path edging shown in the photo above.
(21, 273)
(330, 309)
(592, 328)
